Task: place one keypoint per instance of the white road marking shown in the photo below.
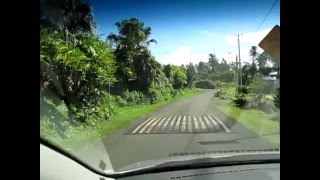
(224, 126)
(172, 122)
(166, 123)
(160, 123)
(196, 123)
(145, 122)
(147, 125)
(214, 122)
(183, 123)
(177, 125)
(202, 123)
(189, 124)
(152, 125)
(207, 121)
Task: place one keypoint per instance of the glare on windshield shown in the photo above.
(129, 82)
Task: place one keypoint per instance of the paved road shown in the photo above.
(193, 125)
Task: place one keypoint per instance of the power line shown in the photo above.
(265, 17)
(202, 52)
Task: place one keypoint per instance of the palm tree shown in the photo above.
(132, 34)
(262, 60)
(253, 53)
(132, 54)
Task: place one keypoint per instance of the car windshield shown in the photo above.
(128, 85)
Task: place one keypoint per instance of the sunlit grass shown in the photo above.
(255, 120)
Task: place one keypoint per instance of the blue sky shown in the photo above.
(187, 31)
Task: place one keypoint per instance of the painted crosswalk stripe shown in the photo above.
(196, 123)
(178, 122)
(145, 122)
(165, 123)
(184, 123)
(160, 123)
(207, 121)
(214, 122)
(224, 126)
(152, 125)
(202, 123)
(189, 124)
(172, 122)
(147, 125)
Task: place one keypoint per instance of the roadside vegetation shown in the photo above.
(255, 120)
(91, 87)
(87, 83)
(255, 103)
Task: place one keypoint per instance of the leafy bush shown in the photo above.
(133, 97)
(49, 129)
(205, 84)
(260, 86)
(243, 89)
(120, 102)
(154, 95)
(240, 99)
(277, 98)
(225, 76)
(218, 83)
(176, 92)
(77, 70)
(220, 93)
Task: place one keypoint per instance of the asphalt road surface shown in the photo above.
(194, 125)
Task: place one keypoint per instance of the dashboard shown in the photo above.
(54, 166)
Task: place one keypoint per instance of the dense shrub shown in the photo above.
(240, 100)
(262, 102)
(205, 84)
(277, 98)
(120, 102)
(220, 94)
(260, 86)
(218, 83)
(225, 76)
(243, 89)
(134, 97)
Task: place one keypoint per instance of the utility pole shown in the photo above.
(237, 71)
(239, 59)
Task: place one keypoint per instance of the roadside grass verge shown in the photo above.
(227, 92)
(258, 121)
(124, 116)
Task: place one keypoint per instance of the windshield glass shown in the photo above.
(126, 85)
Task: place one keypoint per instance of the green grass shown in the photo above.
(228, 92)
(125, 116)
(255, 120)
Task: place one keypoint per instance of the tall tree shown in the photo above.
(253, 53)
(132, 54)
(223, 66)
(73, 17)
(213, 63)
(191, 74)
(203, 70)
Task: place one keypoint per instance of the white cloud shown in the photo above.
(182, 55)
(250, 37)
(210, 34)
(225, 46)
(246, 41)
